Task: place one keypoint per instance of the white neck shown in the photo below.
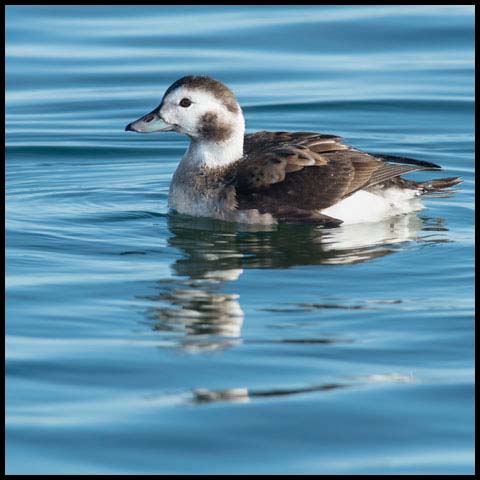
(207, 153)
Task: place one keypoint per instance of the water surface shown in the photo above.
(144, 342)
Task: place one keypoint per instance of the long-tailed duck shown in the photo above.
(275, 177)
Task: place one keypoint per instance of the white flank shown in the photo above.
(365, 206)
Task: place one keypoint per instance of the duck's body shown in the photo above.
(275, 177)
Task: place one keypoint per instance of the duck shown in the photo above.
(275, 177)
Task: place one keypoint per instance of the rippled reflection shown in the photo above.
(243, 395)
(216, 253)
(202, 314)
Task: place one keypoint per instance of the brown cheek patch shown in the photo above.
(212, 129)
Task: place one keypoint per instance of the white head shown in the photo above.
(205, 110)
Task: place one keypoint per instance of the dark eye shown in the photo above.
(185, 102)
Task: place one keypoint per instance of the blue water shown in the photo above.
(143, 342)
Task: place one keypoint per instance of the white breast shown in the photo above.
(188, 201)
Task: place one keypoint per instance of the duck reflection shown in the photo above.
(197, 303)
(243, 395)
(208, 319)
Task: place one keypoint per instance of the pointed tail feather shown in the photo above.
(426, 187)
(437, 185)
(410, 161)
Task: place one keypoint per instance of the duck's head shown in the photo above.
(200, 107)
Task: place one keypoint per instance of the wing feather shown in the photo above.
(297, 174)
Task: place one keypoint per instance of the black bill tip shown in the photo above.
(129, 128)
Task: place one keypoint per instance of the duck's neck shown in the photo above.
(212, 154)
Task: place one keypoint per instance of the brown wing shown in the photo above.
(269, 156)
(294, 175)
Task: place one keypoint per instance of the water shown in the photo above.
(143, 342)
